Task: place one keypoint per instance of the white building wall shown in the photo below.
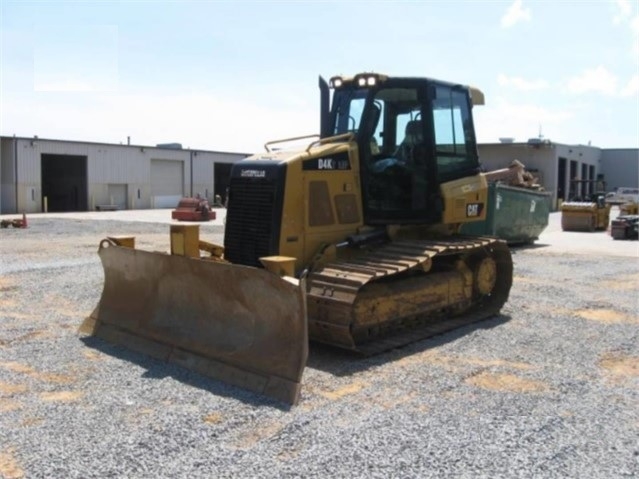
(541, 158)
(108, 166)
(113, 168)
(29, 194)
(495, 156)
(203, 166)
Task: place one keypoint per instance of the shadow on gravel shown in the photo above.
(526, 246)
(158, 369)
(329, 359)
(341, 362)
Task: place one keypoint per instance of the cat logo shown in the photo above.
(253, 173)
(473, 210)
(325, 164)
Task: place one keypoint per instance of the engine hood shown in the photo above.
(312, 151)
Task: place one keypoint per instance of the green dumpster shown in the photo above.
(517, 215)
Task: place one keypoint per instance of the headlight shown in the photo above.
(336, 82)
(368, 79)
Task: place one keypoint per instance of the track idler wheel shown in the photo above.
(485, 273)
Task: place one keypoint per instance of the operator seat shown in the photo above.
(398, 183)
(411, 155)
(407, 152)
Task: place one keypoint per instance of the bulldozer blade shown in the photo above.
(241, 325)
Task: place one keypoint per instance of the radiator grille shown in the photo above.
(250, 221)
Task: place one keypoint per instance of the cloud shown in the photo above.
(522, 84)
(632, 88)
(625, 17)
(515, 14)
(517, 120)
(65, 85)
(597, 80)
(204, 121)
(600, 80)
(634, 26)
(623, 11)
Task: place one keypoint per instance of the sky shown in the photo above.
(230, 76)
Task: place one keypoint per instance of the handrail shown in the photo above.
(330, 139)
(269, 143)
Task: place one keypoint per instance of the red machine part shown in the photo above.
(193, 209)
(17, 223)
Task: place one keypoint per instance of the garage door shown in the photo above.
(167, 182)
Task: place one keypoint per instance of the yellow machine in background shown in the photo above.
(629, 208)
(351, 241)
(589, 211)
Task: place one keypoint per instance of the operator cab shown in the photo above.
(412, 134)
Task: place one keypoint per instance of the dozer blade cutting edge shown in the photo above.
(242, 325)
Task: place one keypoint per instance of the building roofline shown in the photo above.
(99, 143)
(200, 150)
(546, 143)
(622, 149)
(518, 143)
(553, 143)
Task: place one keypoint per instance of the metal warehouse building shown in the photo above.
(77, 176)
(557, 164)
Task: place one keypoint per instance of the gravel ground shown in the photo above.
(548, 389)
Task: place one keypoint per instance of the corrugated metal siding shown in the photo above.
(107, 164)
(29, 161)
(29, 194)
(114, 163)
(118, 195)
(6, 160)
(118, 165)
(7, 185)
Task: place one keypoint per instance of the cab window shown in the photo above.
(454, 140)
(396, 166)
(349, 108)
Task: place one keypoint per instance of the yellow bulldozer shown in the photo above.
(351, 240)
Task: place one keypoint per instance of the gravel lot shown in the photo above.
(548, 389)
